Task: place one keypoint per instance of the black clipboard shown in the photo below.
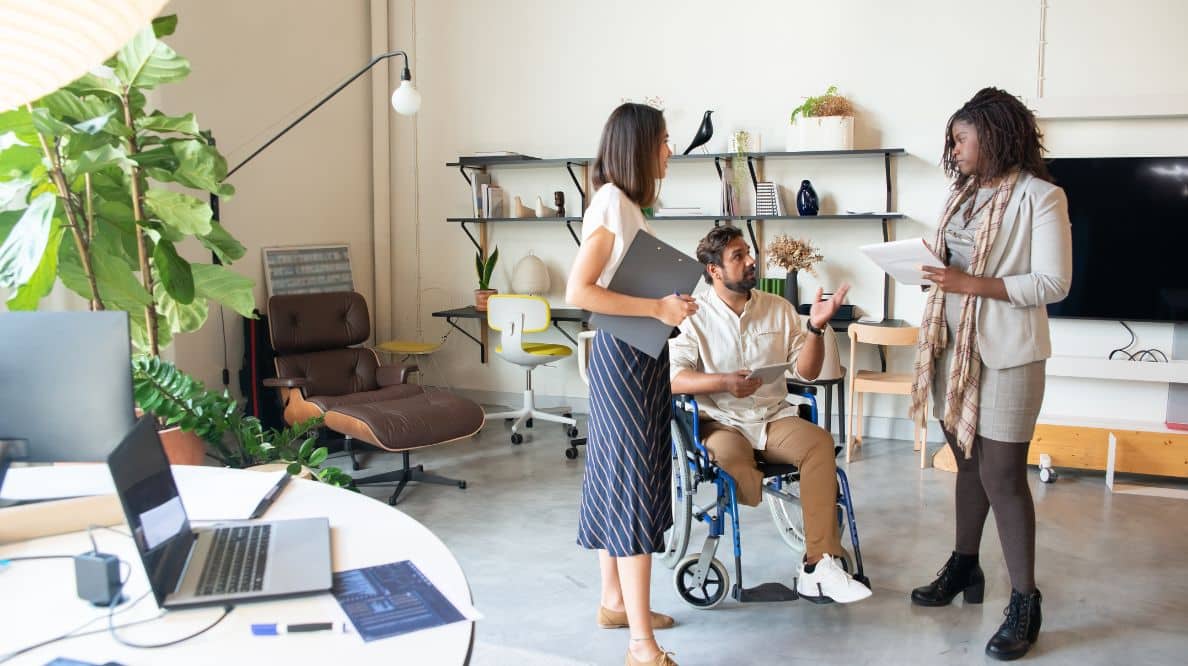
(650, 269)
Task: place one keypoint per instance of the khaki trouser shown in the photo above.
(794, 441)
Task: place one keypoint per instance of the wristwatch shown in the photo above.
(813, 329)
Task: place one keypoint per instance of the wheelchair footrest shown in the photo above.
(767, 592)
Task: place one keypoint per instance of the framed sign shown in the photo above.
(307, 269)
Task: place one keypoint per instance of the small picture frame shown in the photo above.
(308, 269)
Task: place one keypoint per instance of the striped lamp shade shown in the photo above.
(46, 44)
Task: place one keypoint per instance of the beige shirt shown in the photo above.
(715, 340)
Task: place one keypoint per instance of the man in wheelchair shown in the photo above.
(737, 330)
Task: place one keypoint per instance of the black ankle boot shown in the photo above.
(1020, 629)
(960, 574)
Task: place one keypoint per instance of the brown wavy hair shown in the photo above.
(629, 152)
(1008, 137)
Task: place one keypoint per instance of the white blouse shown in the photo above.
(614, 210)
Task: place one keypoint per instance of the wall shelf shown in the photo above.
(484, 162)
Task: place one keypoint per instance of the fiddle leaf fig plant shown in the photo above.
(92, 194)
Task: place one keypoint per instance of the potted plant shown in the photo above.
(90, 174)
(234, 439)
(793, 255)
(824, 122)
(89, 196)
(484, 269)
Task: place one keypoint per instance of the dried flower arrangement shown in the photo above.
(793, 254)
(829, 104)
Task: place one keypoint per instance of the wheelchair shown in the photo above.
(701, 579)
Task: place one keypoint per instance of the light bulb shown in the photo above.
(406, 100)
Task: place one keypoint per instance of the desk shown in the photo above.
(470, 312)
(39, 600)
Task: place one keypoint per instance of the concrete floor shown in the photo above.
(1113, 568)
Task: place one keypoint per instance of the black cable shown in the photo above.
(1123, 348)
(73, 633)
(149, 646)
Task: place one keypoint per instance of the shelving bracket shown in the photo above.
(569, 225)
(473, 240)
(576, 183)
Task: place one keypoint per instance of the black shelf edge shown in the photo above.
(511, 161)
(842, 216)
(513, 219)
(529, 162)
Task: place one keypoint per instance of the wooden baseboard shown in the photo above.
(1138, 452)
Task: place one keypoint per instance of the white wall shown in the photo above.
(540, 77)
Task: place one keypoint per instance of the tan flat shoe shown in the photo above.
(662, 659)
(609, 619)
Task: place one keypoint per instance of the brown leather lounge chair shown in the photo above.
(319, 372)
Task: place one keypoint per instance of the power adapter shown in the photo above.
(97, 576)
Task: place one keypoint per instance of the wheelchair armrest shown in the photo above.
(390, 375)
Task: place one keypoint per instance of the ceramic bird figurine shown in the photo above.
(704, 133)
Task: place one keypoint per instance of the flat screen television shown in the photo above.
(1130, 237)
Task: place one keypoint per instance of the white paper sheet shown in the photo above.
(902, 259)
(208, 493)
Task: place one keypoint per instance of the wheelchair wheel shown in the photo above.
(676, 539)
(711, 592)
(788, 516)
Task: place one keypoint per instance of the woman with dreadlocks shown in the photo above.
(1006, 244)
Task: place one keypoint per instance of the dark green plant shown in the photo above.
(484, 269)
(829, 104)
(235, 439)
(89, 196)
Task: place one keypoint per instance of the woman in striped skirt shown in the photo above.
(626, 504)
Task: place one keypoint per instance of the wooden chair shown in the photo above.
(869, 381)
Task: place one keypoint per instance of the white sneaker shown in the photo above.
(829, 582)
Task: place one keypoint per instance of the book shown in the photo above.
(477, 180)
(767, 200)
(676, 211)
(484, 200)
(494, 201)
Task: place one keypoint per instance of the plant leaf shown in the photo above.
(146, 62)
(39, 285)
(14, 195)
(159, 122)
(45, 123)
(174, 272)
(183, 212)
(92, 83)
(293, 469)
(23, 248)
(98, 160)
(223, 244)
(318, 456)
(221, 284)
(163, 26)
(199, 166)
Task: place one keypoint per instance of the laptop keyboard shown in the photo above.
(236, 560)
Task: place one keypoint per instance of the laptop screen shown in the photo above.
(152, 506)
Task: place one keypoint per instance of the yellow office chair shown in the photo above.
(512, 316)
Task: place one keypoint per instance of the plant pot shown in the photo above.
(481, 296)
(791, 290)
(182, 448)
(823, 133)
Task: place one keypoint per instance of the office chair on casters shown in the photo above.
(321, 373)
(512, 316)
(585, 341)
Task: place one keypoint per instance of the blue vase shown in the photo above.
(806, 199)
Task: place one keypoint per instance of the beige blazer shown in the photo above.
(1032, 253)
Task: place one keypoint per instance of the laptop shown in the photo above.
(194, 566)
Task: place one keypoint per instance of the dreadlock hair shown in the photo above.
(1008, 138)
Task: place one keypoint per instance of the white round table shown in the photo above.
(38, 599)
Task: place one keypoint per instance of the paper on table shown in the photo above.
(208, 493)
(902, 259)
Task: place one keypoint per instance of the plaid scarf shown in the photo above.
(965, 373)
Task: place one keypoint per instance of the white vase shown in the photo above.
(825, 133)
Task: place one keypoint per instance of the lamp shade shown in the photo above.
(46, 44)
(406, 100)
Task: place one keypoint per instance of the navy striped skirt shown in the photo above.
(626, 494)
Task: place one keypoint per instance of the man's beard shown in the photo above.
(745, 285)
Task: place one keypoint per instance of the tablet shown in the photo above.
(770, 373)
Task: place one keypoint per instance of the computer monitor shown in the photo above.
(65, 386)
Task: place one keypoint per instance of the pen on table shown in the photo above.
(270, 496)
(273, 629)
